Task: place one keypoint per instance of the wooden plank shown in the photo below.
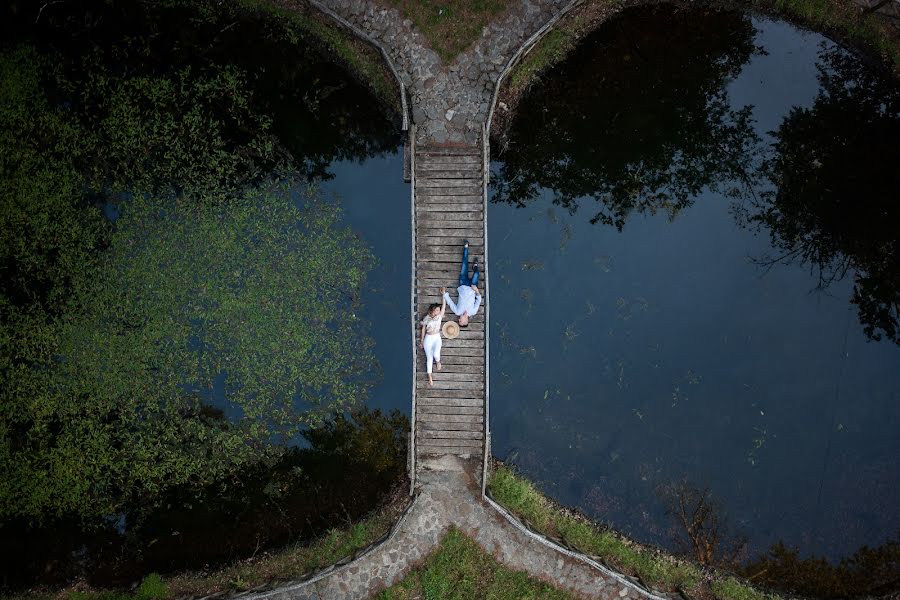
(473, 191)
(428, 197)
(462, 387)
(457, 232)
(433, 418)
(425, 159)
(432, 400)
(465, 219)
(455, 450)
(444, 410)
(468, 182)
(447, 394)
(447, 376)
(448, 174)
(447, 434)
(454, 207)
(435, 150)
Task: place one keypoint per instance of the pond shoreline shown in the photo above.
(581, 19)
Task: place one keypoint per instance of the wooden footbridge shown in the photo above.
(449, 189)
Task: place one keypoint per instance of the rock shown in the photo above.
(503, 106)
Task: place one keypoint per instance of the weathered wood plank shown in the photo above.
(460, 233)
(454, 450)
(425, 159)
(433, 418)
(447, 376)
(445, 384)
(434, 150)
(433, 400)
(448, 174)
(455, 436)
(442, 394)
(435, 191)
(428, 197)
(454, 207)
(444, 410)
(473, 180)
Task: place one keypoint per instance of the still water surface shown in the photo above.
(693, 263)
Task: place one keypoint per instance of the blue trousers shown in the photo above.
(464, 278)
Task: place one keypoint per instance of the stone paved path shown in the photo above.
(449, 102)
(449, 494)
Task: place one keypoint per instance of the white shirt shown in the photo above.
(468, 301)
(433, 324)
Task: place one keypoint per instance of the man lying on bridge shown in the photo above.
(469, 298)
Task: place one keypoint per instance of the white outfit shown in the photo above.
(468, 301)
(432, 341)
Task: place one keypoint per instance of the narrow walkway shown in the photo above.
(449, 418)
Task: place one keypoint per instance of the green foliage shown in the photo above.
(459, 569)
(152, 588)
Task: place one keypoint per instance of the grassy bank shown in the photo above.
(291, 563)
(839, 19)
(451, 26)
(460, 569)
(361, 59)
(658, 570)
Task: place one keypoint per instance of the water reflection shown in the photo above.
(834, 206)
(637, 119)
(687, 337)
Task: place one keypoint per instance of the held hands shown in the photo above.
(475, 287)
(443, 291)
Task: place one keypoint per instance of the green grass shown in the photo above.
(450, 26)
(658, 570)
(460, 570)
(550, 50)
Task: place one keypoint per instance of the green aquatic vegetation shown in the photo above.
(604, 263)
(532, 265)
(460, 569)
(115, 333)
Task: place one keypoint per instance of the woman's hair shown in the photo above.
(431, 309)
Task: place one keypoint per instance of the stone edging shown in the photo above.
(332, 569)
(374, 43)
(542, 539)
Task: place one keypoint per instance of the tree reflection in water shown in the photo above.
(643, 131)
(833, 202)
(649, 130)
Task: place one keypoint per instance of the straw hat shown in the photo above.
(450, 329)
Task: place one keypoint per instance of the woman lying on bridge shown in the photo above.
(431, 335)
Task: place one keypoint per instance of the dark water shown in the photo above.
(694, 236)
(332, 132)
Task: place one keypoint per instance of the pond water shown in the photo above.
(334, 134)
(695, 256)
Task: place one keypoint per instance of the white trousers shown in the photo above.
(432, 349)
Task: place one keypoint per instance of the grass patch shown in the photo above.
(550, 50)
(450, 26)
(361, 59)
(657, 569)
(460, 569)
